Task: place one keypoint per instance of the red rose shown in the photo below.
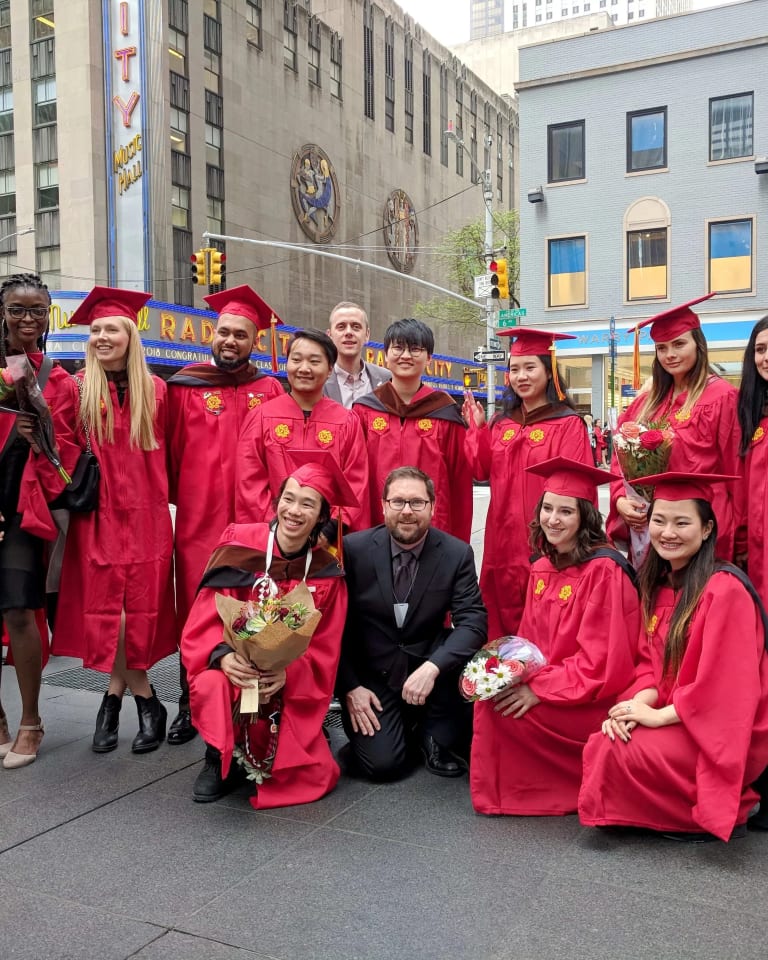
(467, 687)
(491, 663)
(651, 439)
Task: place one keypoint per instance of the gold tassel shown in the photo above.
(636, 361)
(555, 377)
(273, 341)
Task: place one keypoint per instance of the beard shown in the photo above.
(229, 365)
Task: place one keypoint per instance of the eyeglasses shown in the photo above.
(398, 504)
(18, 313)
(398, 349)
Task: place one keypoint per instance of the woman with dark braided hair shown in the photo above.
(24, 303)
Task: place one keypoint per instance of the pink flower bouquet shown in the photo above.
(500, 664)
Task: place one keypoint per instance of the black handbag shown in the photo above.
(82, 494)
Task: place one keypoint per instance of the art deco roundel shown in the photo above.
(401, 231)
(315, 193)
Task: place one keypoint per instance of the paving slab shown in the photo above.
(180, 946)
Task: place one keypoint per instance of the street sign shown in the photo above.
(482, 286)
(506, 324)
(494, 343)
(512, 314)
(489, 356)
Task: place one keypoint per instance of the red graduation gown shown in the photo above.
(203, 449)
(585, 620)
(500, 452)
(707, 441)
(119, 557)
(304, 769)
(435, 444)
(694, 775)
(755, 513)
(279, 426)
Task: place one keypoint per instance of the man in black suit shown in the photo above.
(400, 663)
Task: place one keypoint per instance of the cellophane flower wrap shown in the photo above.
(641, 451)
(499, 664)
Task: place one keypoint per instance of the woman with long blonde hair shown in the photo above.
(116, 608)
(688, 396)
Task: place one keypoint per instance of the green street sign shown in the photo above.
(512, 322)
(512, 314)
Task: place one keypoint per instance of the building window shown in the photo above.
(179, 206)
(314, 51)
(565, 151)
(549, 15)
(5, 24)
(179, 124)
(730, 256)
(647, 140)
(443, 114)
(730, 126)
(47, 186)
(389, 75)
(336, 51)
(587, 7)
(177, 50)
(647, 264)
(408, 102)
(42, 19)
(212, 70)
(211, 8)
(575, 9)
(290, 35)
(49, 265)
(7, 194)
(215, 214)
(614, 16)
(368, 61)
(538, 18)
(567, 272)
(641, 14)
(44, 93)
(6, 109)
(630, 15)
(426, 103)
(499, 158)
(212, 146)
(253, 16)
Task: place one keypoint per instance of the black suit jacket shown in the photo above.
(446, 582)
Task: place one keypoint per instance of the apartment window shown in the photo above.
(499, 158)
(179, 123)
(549, 15)
(587, 7)
(253, 16)
(647, 264)
(211, 8)
(44, 98)
(567, 271)
(473, 132)
(42, 19)
(614, 16)
(408, 100)
(389, 75)
(314, 51)
(213, 145)
(183, 288)
(602, 4)
(730, 256)
(177, 50)
(215, 214)
(5, 23)
(426, 103)
(730, 126)
(538, 18)
(575, 9)
(7, 194)
(641, 14)
(47, 175)
(6, 109)
(565, 151)
(179, 206)
(368, 60)
(336, 51)
(630, 15)
(211, 70)
(49, 264)
(647, 140)
(443, 114)
(290, 35)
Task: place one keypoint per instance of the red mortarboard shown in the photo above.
(685, 486)
(571, 478)
(104, 302)
(667, 326)
(537, 343)
(243, 301)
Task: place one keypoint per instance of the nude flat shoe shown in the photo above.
(5, 747)
(12, 760)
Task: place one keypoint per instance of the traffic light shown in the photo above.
(218, 271)
(499, 279)
(199, 272)
(467, 378)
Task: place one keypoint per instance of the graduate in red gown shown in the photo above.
(208, 404)
(536, 422)
(407, 423)
(752, 534)
(286, 742)
(116, 608)
(301, 420)
(680, 749)
(700, 407)
(582, 611)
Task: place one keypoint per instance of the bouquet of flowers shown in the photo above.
(642, 451)
(499, 664)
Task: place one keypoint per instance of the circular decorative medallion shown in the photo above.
(315, 193)
(401, 231)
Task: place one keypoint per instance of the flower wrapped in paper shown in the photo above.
(500, 664)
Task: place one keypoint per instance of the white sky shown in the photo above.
(448, 20)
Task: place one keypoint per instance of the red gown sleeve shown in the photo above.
(478, 449)
(252, 495)
(354, 463)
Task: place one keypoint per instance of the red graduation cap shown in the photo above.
(667, 326)
(537, 343)
(572, 478)
(685, 486)
(320, 470)
(104, 302)
(243, 301)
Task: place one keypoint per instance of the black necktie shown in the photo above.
(403, 572)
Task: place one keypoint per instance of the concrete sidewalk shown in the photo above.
(105, 857)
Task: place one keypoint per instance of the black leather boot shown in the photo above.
(107, 724)
(152, 720)
(209, 784)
